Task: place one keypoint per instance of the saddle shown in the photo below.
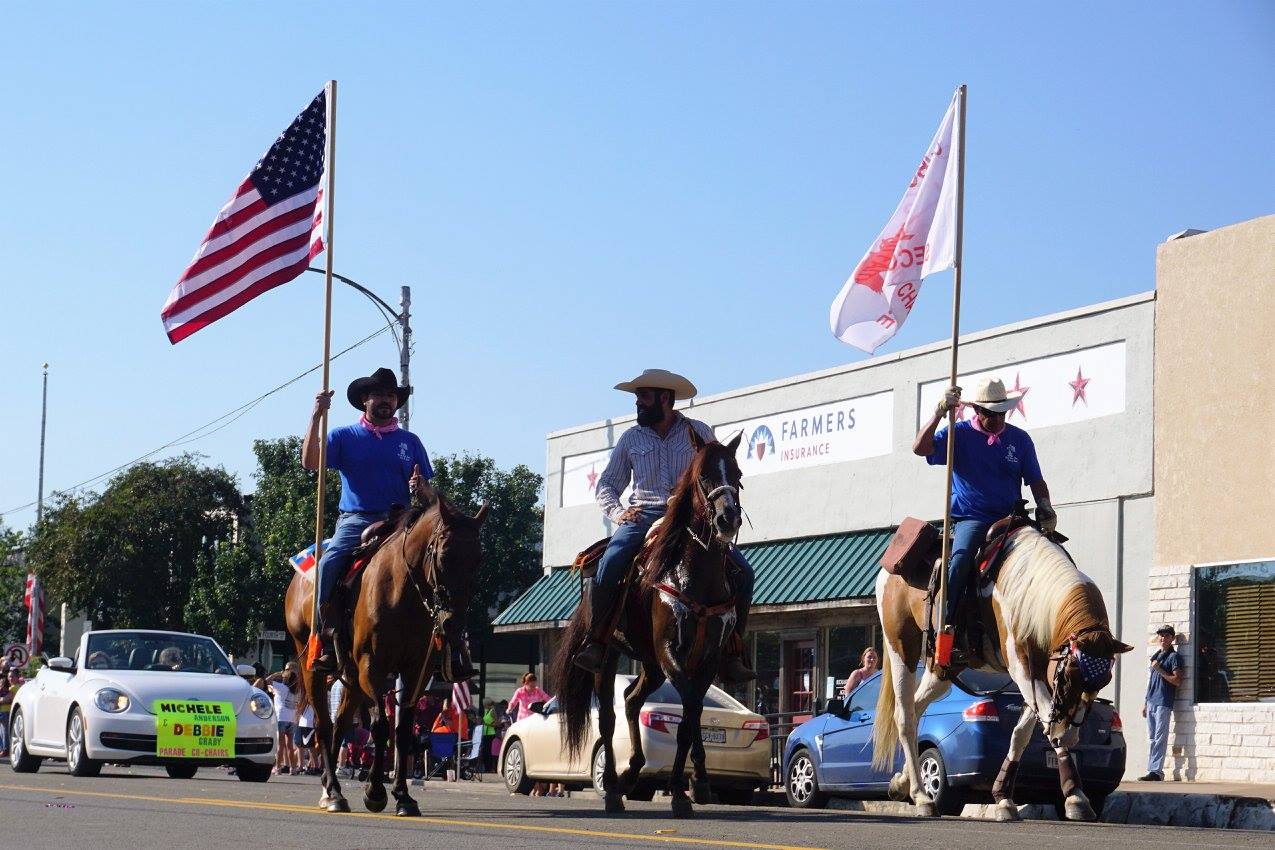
(370, 541)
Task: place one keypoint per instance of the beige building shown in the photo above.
(1214, 572)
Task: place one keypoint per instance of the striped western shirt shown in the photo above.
(655, 464)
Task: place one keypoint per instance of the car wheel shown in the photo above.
(934, 781)
(735, 795)
(599, 767)
(181, 771)
(801, 785)
(19, 758)
(516, 778)
(253, 772)
(77, 757)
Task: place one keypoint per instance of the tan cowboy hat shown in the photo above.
(990, 394)
(660, 379)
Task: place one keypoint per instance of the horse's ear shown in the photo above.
(444, 510)
(1121, 647)
(697, 442)
(482, 513)
(734, 444)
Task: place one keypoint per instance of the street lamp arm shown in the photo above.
(369, 293)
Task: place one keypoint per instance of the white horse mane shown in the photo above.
(1033, 582)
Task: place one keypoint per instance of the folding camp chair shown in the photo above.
(442, 752)
(471, 755)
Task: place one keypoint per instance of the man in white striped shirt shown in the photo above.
(653, 455)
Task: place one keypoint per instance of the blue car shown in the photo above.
(963, 739)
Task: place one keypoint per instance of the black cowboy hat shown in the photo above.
(381, 379)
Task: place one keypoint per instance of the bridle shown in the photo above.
(709, 497)
(437, 601)
(1075, 717)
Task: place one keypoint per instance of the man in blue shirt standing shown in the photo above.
(381, 466)
(1162, 689)
(991, 463)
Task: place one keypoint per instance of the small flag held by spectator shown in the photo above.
(304, 561)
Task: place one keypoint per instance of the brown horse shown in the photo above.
(1055, 642)
(674, 622)
(409, 615)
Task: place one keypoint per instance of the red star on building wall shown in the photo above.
(1078, 388)
(592, 475)
(1019, 407)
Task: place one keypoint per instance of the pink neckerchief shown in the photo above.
(992, 439)
(379, 430)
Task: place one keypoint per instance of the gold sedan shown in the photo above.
(736, 741)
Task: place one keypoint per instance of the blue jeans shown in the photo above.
(1158, 729)
(627, 540)
(336, 558)
(967, 536)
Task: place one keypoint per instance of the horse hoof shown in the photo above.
(407, 808)
(682, 808)
(1006, 812)
(374, 799)
(701, 794)
(613, 803)
(927, 810)
(338, 806)
(325, 800)
(1078, 808)
(899, 791)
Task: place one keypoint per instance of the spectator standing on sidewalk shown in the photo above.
(6, 704)
(1162, 689)
(284, 687)
(530, 692)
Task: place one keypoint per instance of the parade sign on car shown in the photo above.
(193, 729)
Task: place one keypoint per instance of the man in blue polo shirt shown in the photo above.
(1162, 690)
(992, 462)
(381, 465)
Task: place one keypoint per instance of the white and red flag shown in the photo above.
(918, 240)
(460, 697)
(264, 236)
(33, 598)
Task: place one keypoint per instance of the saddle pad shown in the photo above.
(587, 561)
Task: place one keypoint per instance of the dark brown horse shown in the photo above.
(674, 622)
(409, 615)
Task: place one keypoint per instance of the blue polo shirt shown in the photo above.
(987, 481)
(375, 470)
(1160, 692)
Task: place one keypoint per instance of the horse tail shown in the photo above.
(885, 732)
(574, 684)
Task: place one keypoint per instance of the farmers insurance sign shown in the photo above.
(853, 429)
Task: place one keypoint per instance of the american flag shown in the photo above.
(33, 598)
(460, 696)
(264, 236)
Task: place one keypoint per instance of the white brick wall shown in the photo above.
(1225, 742)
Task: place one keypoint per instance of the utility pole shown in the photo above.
(405, 353)
(44, 418)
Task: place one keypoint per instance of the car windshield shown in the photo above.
(985, 683)
(156, 651)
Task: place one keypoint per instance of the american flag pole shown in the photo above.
(329, 183)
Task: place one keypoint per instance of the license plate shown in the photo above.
(1051, 759)
(712, 736)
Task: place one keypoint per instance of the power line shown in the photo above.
(203, 430)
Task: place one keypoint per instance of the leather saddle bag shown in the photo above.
(912, 550)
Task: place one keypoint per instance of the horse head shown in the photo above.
(450, 558)
(1080, 669)
(717, 485)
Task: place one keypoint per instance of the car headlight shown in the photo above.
(261, 706)
(111, 700)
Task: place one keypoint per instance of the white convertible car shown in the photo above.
(144, 697)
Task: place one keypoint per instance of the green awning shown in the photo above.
(789, 572)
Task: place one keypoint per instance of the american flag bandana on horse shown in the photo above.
(1093, 671)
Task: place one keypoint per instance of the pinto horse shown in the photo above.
(409, 615)
(1054, 641)
(674, 621)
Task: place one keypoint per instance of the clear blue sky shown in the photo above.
(575, 192)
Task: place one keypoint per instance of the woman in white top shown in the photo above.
(283, 687)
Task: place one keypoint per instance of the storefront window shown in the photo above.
(768, 680)
(1234, 633)
(845, 645)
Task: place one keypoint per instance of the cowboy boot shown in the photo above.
(592, 654)
(732, 667)
(326, 661)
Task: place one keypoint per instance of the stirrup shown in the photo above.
(591, 656)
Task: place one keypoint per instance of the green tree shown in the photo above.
(129, 557)
(511, 535)
(13, 582)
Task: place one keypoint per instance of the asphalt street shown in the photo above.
(143, 808)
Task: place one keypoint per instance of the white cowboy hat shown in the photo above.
(990, 394)
(660, 379)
